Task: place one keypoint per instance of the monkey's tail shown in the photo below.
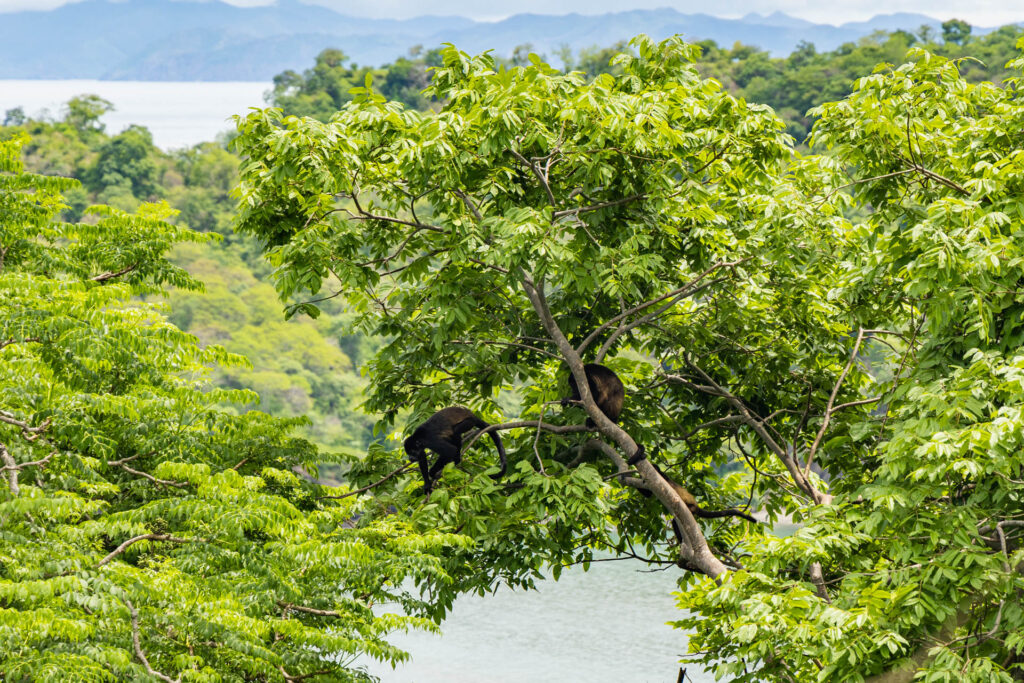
(715, 514)
(501, 454)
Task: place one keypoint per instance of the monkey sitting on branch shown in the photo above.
(609, 394)
(442, 433)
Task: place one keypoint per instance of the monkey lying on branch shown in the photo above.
(691, 503)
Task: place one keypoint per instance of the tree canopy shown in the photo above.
(832, 338)
(147, 531)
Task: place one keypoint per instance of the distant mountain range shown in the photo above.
(171, 40)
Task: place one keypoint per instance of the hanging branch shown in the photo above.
(138, 646)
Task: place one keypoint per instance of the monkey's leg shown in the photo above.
(446, 452)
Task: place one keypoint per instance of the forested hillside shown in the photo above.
(300, 368)
(791, 85)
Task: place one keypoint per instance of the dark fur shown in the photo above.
(442, 433)
(691, 503)
(609, 394)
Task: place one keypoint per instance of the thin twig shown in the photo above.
(831, 401)
(138, 646)
(401, 469)
(147, 537)
(139, 473)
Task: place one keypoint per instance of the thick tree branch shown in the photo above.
(12, 469)
(906, 670)
(697, 554)
(818, 579)
(103, 277)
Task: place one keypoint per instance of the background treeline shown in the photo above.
(302, 368)
(791, 85)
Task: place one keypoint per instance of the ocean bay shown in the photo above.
(178, 114)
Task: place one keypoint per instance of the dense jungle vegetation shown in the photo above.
(305, 369)
(832, 336)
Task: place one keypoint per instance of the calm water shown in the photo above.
(607, 625)
(177, 114)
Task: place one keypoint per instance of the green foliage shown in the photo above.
(145, 531)
(84, 112)
(862, 377)
(300, 369)
(326, 87)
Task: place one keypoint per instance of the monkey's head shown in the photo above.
(413, 448)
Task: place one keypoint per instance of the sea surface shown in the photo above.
(606, 625)
(177, 114)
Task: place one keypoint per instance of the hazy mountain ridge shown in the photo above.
(165, 40)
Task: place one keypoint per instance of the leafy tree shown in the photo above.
(125, 168)
(300, 371)
(84, 112)
(148, 532)
(320, 90)
(863, 377)
(15, 117)
(956, 31)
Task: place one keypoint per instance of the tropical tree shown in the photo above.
(860, 377)
(148, 528)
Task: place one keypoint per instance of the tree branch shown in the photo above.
(636, 309)
(147, 537)
(12, 469)
(602, 205)
(536, 172)
(103, 277)
(165, 482)
(26, 340)
(308, 610)
(138, 646)
(401, 469)
(831, 401)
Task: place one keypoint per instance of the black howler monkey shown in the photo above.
(442, 433)
(609, 394)
(691, 503)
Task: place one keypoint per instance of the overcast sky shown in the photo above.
(978, 12)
